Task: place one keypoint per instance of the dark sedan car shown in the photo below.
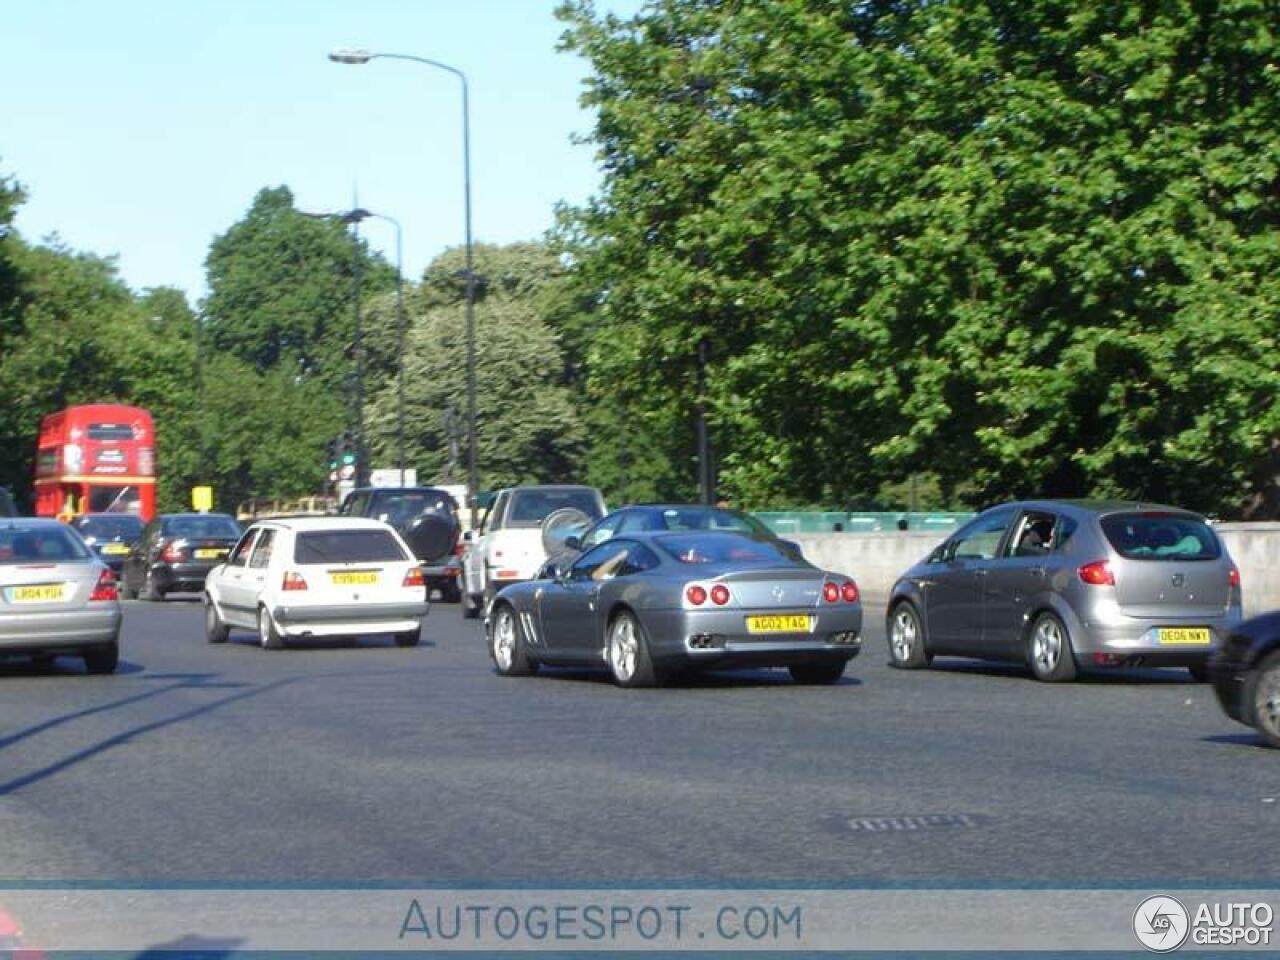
(646, 604)
(110, 535)
(1246, 675)
(176, 553)
(657, 517)
(427, 518)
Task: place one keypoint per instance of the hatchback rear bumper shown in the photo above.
(337, 619)
(1131, 637)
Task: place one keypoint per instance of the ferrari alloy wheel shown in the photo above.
(628, 652)
(507, 645)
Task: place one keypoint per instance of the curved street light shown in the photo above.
(357, 56)
(355, 217)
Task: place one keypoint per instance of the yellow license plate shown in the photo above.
(210, 553)
(1184, 636)
(780, 623)
(115, 548)
(44, 593)
(354, 578)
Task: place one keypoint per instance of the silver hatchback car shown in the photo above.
(1070, 584)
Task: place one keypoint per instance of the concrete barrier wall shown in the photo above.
(875, 560)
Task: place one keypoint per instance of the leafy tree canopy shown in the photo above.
(527, 426)
(281, 289)
(1024, 247)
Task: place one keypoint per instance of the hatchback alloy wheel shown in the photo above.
(1049, 651)
(1046, 646)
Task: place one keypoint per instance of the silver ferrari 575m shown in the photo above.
(650, 604)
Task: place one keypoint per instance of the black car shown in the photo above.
(176, 552)
(654, 517)
(110, 535)
(1246, 675)
(427, 518)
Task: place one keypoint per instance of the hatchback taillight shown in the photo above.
(1097, 574)
(414, 578)
(1233, 578)
(171, 553)
(105, 588)
(293, 581)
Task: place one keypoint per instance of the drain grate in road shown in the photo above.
(913, 823)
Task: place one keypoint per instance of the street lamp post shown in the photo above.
(364, 56)
(355, 217)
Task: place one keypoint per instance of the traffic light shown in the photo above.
(331, 453)
(348, 454)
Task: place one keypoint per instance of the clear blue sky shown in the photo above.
(143, 128)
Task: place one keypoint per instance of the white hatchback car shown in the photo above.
(317, 577)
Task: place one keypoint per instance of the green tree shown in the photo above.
(527, 427)
(1024, 247)
(281, 288)
(83, 338)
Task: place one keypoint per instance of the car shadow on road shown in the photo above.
(695, 679)
(61, 667)
(371, 642)
(197, 681)
(126, 736)
(1121, 676)
(1253, 740)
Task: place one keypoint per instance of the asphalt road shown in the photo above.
(362, 763)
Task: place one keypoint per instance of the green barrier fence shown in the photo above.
(804, 521)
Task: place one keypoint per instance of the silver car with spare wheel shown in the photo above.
(1064, 585)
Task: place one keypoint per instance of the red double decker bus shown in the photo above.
(96, 458)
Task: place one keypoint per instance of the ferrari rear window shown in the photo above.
(1160, 536)
(347, 546)
(722, 548)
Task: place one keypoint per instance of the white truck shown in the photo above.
(512, 541)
